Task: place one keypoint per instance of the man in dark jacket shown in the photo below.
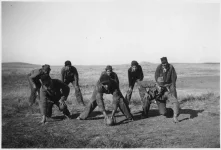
(135, 73)
(166, 76)
(109, 71)
(53, 91)
(69, 74)
(106, 85)
(35, 85)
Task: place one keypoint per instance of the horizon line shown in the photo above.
(142, 62)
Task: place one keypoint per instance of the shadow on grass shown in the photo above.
(59, 118)
(191, 112)
(93, 115)
(155, 112)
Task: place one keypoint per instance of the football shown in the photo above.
(109, 121)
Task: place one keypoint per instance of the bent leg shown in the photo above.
(78, 94)
(91, 106)
(63, 109)
(33, 95)
(172, 96)
(162, 107)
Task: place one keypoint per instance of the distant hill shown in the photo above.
(145, 63)
(19, 64)
(211, 63)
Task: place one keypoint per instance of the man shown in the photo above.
(106, 85)
(33, 78)
(109, 71)
(53, 91)
(150, 91)
(165, 77)
(69, 74)
(135, 74)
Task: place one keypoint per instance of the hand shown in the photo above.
(63, 99)
(34, 86)
(113, 118)
(43, 119)
(175, 119)
(77, 87)
(105, 115)
(130, 89)
(146, 96)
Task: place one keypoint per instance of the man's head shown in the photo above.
(134, 65)
(46, 69)
(105, 81)
(108, 69)
(164, 60)
(46, 81)
(67, 63)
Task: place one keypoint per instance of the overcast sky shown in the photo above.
(110, 32)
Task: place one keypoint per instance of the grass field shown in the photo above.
(198, 87)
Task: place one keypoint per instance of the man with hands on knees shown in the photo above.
(69, 74)
(35, 85)
(135, 74)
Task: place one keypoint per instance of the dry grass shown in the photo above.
(199, 119)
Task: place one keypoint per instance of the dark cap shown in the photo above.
(46, 68)
(134, 63)
(45, 78)
(109, 67)
(164, 60)
(105, 79)
(67, 63)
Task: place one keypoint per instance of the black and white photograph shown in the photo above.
(110, 74)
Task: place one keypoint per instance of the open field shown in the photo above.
(198, 88)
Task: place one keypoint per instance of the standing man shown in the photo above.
(106, 85)
(35, 84)
(109, 71)
(135, 73)
(69, 74)
(53, 91)
(165, 77)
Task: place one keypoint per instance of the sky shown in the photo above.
(110, 31)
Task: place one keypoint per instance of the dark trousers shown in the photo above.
(49, 106)
(78, 94)
(129, 95)
(47, 102)
(34, 91)
(118, 101)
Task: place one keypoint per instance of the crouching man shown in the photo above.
(106, 85)
(159, 93)
(165, 76)
(163, 90)
(53, 91)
